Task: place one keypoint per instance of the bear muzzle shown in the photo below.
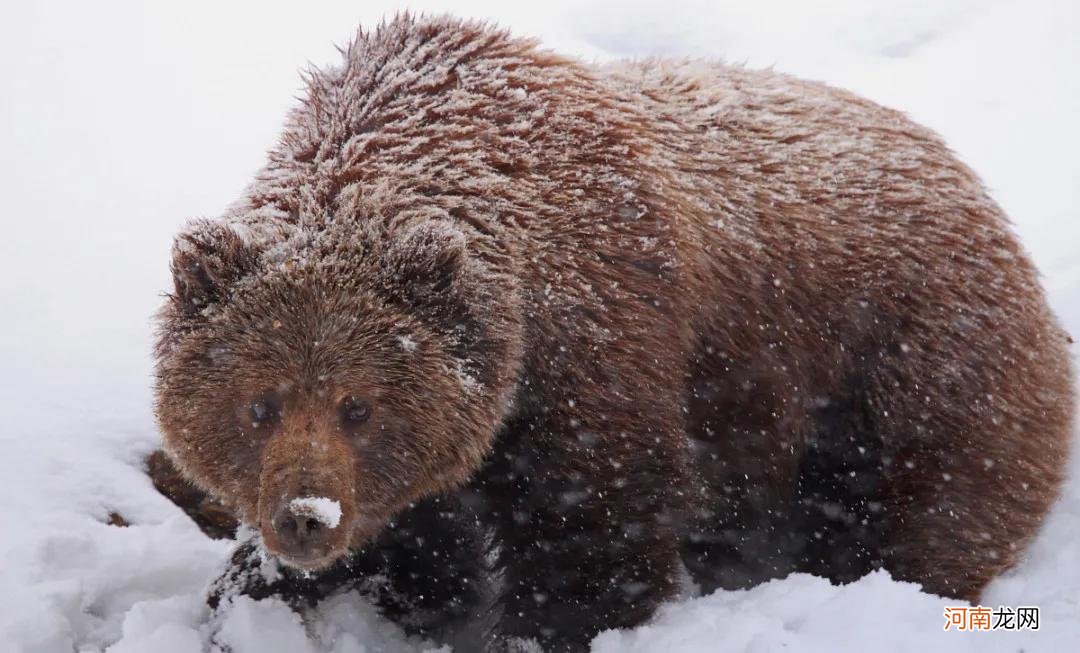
(307, 532)
(306, 500)
(305, 529)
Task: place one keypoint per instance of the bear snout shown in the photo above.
(304, 528)
(305, 531)
(306, 498)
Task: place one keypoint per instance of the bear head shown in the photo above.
(320, 380)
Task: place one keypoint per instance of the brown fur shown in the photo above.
(212, 517)
(626, 316)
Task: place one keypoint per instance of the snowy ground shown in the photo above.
(118, 121)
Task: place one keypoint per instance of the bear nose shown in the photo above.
(301, 535)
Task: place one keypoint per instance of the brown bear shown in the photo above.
(535, 338)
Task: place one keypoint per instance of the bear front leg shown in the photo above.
(585, 504)
(256, 574)
(251, 572)
(427, 571)
(433, 560)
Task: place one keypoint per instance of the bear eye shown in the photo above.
(355, 410)
(261, 411)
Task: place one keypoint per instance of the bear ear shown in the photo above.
(429, 257)
(206, 260)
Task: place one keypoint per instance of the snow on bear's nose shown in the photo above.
(304, 527)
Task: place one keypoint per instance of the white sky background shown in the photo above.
(120, 120)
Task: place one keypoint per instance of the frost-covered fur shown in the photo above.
(622, 319)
